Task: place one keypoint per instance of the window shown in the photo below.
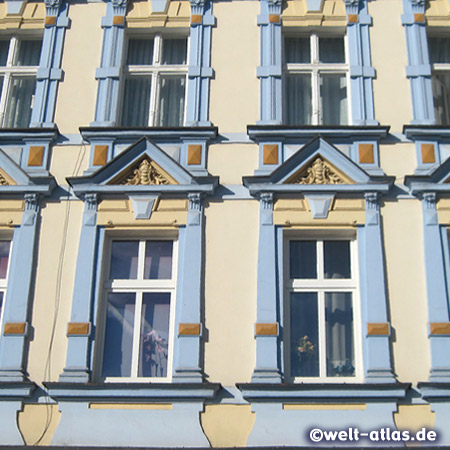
(139, 309)
(155, 82)
(321, 291)
(439, 48)
(5, 248)
(19, 62)
(315, 81)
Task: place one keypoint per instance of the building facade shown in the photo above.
(224, 223)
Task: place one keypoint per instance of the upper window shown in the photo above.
(19, 62)
(439, 48)
(315, 81)
(155, 82)
(321, 310)
(138, 312)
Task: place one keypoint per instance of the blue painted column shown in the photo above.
(108, 75)
(361, 70)
(436, 289)
(187, 367)
(267, 368)
(419, 69)
(376, 348)
(77, 363)
(19, 292)
(270, 70)
(199, 71)
(49, 73)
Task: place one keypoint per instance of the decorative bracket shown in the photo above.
(195, 209)
(372, 208)
(31, 209)
(90, 210)
(266, 203)
(429, 204)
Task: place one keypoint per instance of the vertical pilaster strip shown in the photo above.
(19, 292)
(270, 71)
(436, 289)
(77, 364)
(267, 368)
(361, 70)
(199, 71)
(108, 75)
(376, 349)
(49, 73)
(189, 294)
(419, 69)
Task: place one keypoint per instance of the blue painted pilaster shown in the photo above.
(189, 291)
(361, 70)
(77, 363)
(108, 75)
(49, 73)
(418, 70)
(270, 70)
(19, 293)
(376, 349)
(200, 71)
(436, 288)
(267, 368)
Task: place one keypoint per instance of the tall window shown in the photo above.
(19, 62)
(439, 48)
(138, 321)
(5, 247)
(315, 81)
(155, 82)
(321, 292)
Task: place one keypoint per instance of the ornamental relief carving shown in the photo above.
(319, 172)
(3, 181)
(146, 173)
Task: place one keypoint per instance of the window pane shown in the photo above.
(124, 260)
(4, 47)
(303, 262)
(441, 95)
(119, 335)
(337, 259)
(18, 111)
(304, 335)
(1, 304)
(158, 260)
(297, 50)
(439, 48)
(171, 101)
(331, 50)
(140, 52)
(154, 335)
(298, 99)
(29, 53)
(333, 91)
(339, 334)
(174, 51)
(136, 102)
(4, 257)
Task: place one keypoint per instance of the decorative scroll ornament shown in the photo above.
(147, 174)
(3, 181)
(319, 172)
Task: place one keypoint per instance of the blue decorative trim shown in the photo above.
(270, 70)
(361, 70)
(418, 70)
(49, 72)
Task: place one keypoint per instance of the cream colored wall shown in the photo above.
(230, 290)
(77, 93)
(234, 58)
(392, 95)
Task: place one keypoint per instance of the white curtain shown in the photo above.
(136, 101)
(18, 111)
(439, 48)
(333, 92)
(140, 52)
(174, 51)
(441, 96)
(298, 99)
(171, 101)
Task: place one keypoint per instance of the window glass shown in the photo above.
(28, 53)
(333, 91)
(331, 50)
(303, 262)
(4, 258)
(336, 259)
(171, 101)
(439, 49)
(18, 111)
(158, 260)
(441, 95)
(298, 99)
(4, 48)
(124, 260)
(174, 51)
(140, 52)
(297, 50)
(136, 101)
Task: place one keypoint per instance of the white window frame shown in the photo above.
(11, 70)
(315, 69)
(138, 286)
(155, 72)
(320, 286)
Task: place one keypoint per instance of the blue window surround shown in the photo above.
(419, 69)
(199, 69)
(361, 70)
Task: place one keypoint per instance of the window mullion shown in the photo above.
(322, 335)
(153, 99)
(136, 335)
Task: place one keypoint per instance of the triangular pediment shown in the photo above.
(319, 171)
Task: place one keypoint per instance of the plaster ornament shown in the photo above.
(3, 181)
(146, 173)
(319, 172)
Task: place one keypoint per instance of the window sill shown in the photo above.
(434, 390)
(319, 392)
(16, 390)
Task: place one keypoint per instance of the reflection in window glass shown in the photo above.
(124, 260)
(158, 260)
(336, 259)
